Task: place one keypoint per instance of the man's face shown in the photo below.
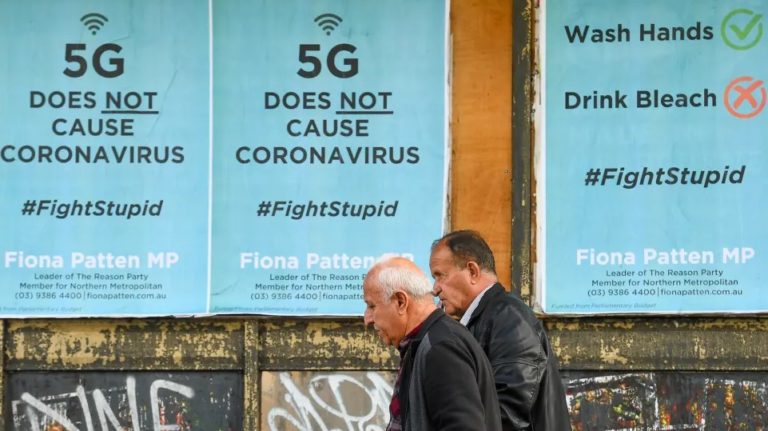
(383, 314)
(452, 283)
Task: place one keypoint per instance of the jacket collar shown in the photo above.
(415, 340)
(429, 321)
(490, 296)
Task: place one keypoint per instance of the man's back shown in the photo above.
(530, 392)
(447, 380)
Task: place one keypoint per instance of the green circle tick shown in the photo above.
(740, 34)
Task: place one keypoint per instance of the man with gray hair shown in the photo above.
(445, 382)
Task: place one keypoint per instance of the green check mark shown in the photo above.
(741, 33)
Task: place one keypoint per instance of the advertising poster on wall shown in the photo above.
(330, 123)
(651, 162)
(104, 157)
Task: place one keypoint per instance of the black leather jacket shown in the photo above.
(531, 394)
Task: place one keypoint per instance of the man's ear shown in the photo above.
(474, 270)
(401, 301)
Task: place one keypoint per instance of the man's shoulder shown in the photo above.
(447, 330)
(503, 306)
(446, 325)
(506, 316)
(508, 330)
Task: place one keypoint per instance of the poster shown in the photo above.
(651, 162)
(192, 158)
(330, 122)
(104, 157)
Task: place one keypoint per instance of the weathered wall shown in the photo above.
(668, 401)
(322, 400)
(598, 401)
(171, 370)
(137, 400)
(288, 368)
(329, 370)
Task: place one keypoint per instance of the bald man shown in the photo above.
(445, 382)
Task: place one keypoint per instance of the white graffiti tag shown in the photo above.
(333, 402)
(53, 409)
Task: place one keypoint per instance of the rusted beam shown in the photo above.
(180, 344)
(522, 147)
(340, 344)
(251, 376)
(661, 343)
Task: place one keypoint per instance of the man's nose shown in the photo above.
(367, 319)
(436, 290)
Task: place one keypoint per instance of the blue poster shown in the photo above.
(330, 125)
(104, 157)
(652, 167)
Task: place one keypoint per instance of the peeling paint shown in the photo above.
(345, 344)
(673, 343)
(699, 348)
(611, 355)
(98, 344)
(612, 343)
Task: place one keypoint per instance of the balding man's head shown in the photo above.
(398, 296)
(398, 273)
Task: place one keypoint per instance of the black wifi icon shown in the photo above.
(94, 21)
(328, 22)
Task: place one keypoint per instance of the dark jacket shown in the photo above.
(530, 392)
(447, 382)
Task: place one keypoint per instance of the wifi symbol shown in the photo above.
(328, 22)
(94, 21)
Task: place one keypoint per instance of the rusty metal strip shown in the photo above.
(340, 344)
(661, 343)
(146, 344)
(251, 376)
(522, 148)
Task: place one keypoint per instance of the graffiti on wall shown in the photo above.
(358, 401)
(343, 401)
(668, 401)
(106, 401)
